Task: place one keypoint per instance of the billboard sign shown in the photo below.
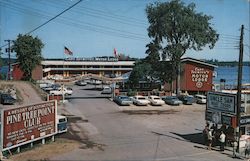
(21, 125)
(220, 118)
(222, 102)
(245, 120)
(213, 116)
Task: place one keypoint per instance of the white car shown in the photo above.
(156, 100)
(201, 99)
(61, 91)
(140, 100)
(106, 90)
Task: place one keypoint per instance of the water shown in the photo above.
(4, 70)
(230, 74)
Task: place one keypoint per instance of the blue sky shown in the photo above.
(96, 27)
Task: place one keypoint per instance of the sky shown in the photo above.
(95, 27)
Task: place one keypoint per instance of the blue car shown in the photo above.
(172, 100)
(7, 99)
(187, 99)
(123, 100)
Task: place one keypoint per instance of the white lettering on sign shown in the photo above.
(221, 102)
(24, 124)
(199, 75)
(29, 118)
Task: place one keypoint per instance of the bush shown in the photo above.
(132, 92)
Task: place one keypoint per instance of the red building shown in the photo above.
(17, 73)
(196, 76)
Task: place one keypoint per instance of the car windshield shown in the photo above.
(124, 98)
(141, 98)
(156, 98)
(6, 96)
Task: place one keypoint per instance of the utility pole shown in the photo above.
(239, 87)
(8, 50)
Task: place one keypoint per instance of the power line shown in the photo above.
(50, 19)
(104, 13)
(87, 26)
(228, 35)
(99, 26)
(54, 17)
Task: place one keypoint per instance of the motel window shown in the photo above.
(108, 66)
(75, 66)
(127, 66)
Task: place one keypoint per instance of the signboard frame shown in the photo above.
(31, 140)
(222, 96)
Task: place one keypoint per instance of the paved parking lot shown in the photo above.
(174, 135)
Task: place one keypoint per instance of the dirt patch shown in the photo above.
(43, 152)
(25, 91)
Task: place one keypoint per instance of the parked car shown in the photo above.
(95, 82)
(81, 83)
(140, 100)
(187, 99)
(106, 90)
(7, 99)
(156, 100)
(52, 87)
(61, 124)
(172, 100)
(201, 99)
(123, 100)
(61, 91)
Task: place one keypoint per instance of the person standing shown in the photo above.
(209, 138)
(222, 140)
(205, 135)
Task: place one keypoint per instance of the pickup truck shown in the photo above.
(61, 91)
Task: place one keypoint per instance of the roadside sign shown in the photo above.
(245, 120)
(21, 125)
(222, 102)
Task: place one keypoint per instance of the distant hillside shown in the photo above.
(4, 61)
(226, 63)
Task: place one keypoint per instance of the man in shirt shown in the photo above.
(222, 140)
(209, 138)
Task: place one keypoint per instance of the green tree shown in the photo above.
(1, 60)
(175, 28)
(162, 70)
(28, 51)
(141, 71)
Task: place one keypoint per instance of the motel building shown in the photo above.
(196, 76)
(70, 67)
(101, 66)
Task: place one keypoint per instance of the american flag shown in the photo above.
(67, 51)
